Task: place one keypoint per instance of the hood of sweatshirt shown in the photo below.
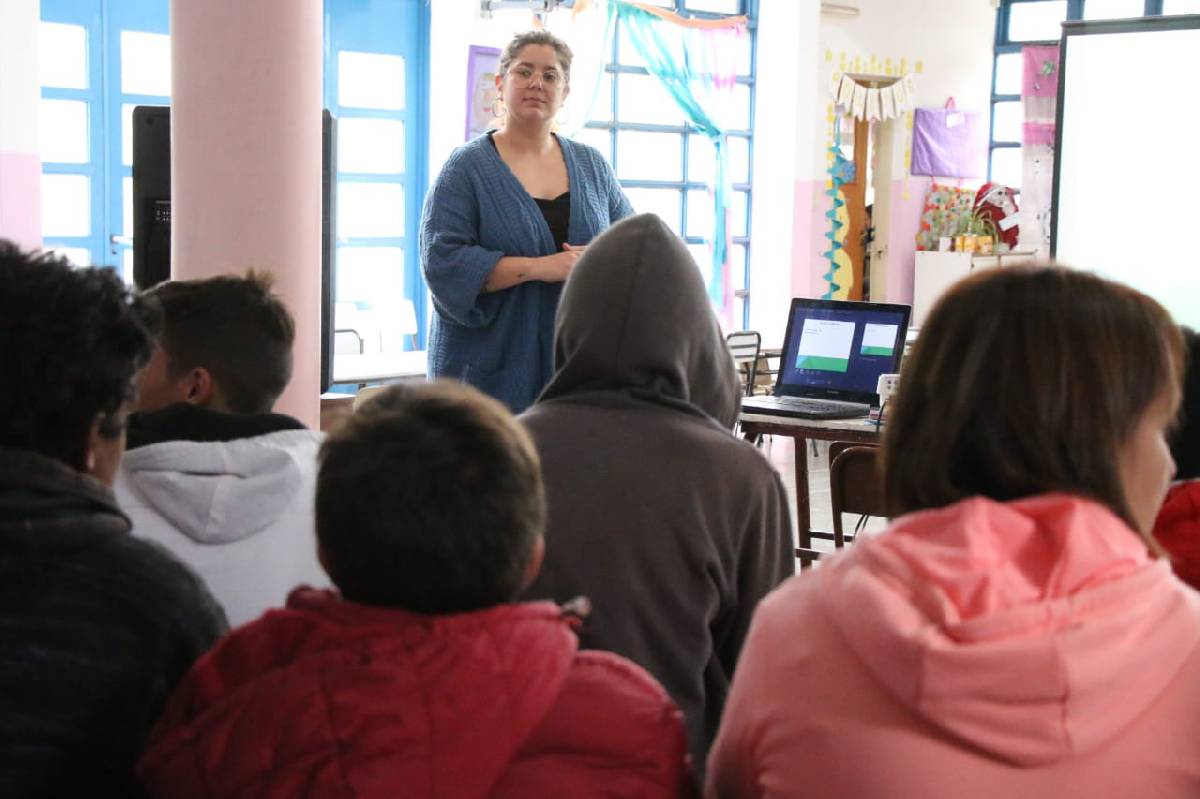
(1034, 630)
(218, 492)
(635, 325)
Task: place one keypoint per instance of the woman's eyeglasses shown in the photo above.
(524, 77)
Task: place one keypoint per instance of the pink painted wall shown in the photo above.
(21, 199)
(246, 158)
(908, 198)
(807, 236)
(809, 242)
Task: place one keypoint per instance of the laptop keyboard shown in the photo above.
(806, 407)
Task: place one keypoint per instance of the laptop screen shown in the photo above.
(837, 349)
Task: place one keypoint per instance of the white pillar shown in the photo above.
(20, 162)
(246, 158)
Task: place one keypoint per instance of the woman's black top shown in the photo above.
(558, 217)
(557, 212)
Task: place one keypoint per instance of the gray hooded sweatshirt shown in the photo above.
(672, 527)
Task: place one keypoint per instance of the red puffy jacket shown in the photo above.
(331, 699)
(1177, 529)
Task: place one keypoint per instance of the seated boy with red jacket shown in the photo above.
(1178, 526)
(421, 679)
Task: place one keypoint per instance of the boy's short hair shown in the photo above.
(71, 341)
(234, 327)
(1027, 380)
(430, 499)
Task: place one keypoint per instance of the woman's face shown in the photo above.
(535, 85)
(1145, 465)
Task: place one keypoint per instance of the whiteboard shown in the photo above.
(1127, 178)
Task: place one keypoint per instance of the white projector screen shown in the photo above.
(1128, 171)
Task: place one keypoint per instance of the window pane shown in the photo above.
(627, 54)
(78, 256)
(1009, 69)
(738, 217)
(601, 110)
(702, 160)
(1006, 122)
(370, 209)
(737, 266)
(64, 131)
(145, 63)
(734, 112)
(1032, 22)
(702, 164)
(1006, 167)
(1181, 6)
(641, 98)
(370, 275)
(745, 54)
(370, 80)
(715, 6)
(370, 145)
(700, 214)
(1113, 9)
(66, 205)
(600, 139)
(664, 202)
(649, 156)
(62, 55)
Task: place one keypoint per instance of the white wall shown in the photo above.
(947, 46)
(784, 143)
(20, 163)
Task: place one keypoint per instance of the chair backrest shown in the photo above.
(855, 486)
(744, 346)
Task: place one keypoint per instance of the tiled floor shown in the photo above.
(780, 450)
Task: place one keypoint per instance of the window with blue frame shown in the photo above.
(100, 58)
(665, 164)
(1025, 22)
(375, 86)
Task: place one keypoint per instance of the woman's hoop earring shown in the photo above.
(498, 107)
(563, 112)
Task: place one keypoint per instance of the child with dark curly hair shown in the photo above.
(96, 626)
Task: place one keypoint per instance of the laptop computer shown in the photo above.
(833, 354)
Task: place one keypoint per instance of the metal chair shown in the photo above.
(744, 346)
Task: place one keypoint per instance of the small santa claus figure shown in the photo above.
(997, 203)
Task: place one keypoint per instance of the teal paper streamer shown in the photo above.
(676, 75)
(837, 172)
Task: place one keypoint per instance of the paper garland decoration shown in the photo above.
(863, 101)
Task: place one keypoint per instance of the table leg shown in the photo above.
(803, 528)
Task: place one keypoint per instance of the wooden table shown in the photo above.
(855, 431)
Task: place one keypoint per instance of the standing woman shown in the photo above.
(503, 226)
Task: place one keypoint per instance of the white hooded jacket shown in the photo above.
(238, 512)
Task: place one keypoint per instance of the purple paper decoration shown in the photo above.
(948, 142)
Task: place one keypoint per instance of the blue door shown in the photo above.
(376, 87)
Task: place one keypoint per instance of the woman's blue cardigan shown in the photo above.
(476, 213)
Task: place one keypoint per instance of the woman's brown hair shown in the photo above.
(522, 40)
(1027, 380)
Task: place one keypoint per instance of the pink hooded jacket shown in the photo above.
(985, 649)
